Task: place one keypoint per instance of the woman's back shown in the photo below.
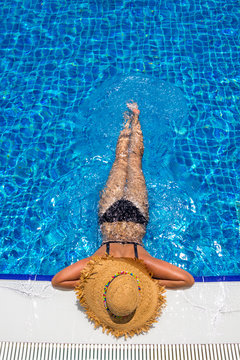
(124, 250)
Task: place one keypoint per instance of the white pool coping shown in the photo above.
(32, 311)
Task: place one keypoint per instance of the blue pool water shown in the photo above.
(66, 70)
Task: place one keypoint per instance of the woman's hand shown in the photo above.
(169, 275)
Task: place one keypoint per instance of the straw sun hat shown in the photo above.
(120, 295)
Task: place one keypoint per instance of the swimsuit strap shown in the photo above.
(121, 242)
(135, 250)
(135, 246)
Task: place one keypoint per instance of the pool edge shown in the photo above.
(49, 277)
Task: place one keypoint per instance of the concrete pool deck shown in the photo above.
(32, 311)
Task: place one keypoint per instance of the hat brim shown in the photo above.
(90, 289)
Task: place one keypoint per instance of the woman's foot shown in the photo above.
(133, 106)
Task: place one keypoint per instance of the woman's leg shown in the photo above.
(136, 190)
(114, 189)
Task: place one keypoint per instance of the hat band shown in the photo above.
(107, 285)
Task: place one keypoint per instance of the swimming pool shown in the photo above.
(56, 59)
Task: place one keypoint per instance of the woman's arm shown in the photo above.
(169, 275)
(68, 277)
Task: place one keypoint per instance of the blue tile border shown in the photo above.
(49, 277)
(25, 277)
(217, 278)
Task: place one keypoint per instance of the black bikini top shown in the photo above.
(107, 243)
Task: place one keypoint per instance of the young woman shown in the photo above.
(121, 286)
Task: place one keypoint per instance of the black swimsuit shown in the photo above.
(123, 210)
